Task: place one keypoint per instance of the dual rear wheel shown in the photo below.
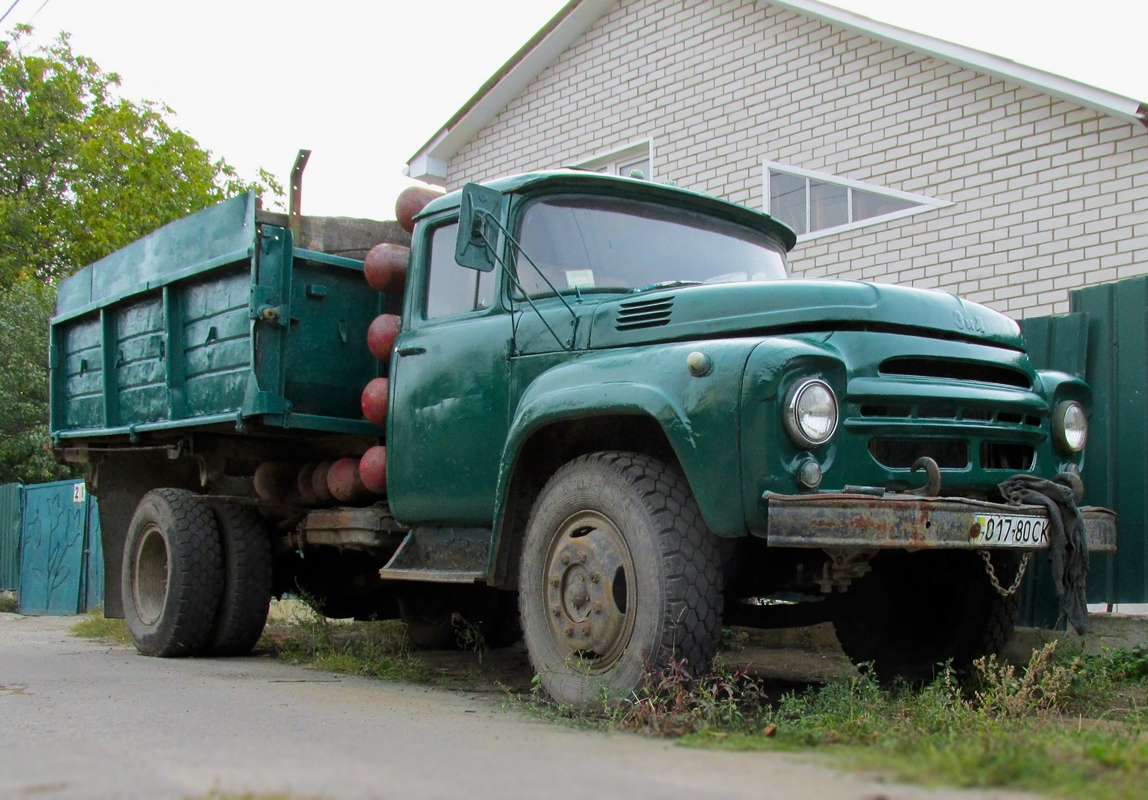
(196, 576)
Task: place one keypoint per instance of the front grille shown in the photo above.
(1006, 455)
(931, 412)
(638, 314)
(949, 370)
(903, 453)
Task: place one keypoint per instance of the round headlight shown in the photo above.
(811, 413)
(1069, 427)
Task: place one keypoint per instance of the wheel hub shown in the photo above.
(590, 590)
(151, 568)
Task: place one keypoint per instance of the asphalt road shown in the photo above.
(82, 719)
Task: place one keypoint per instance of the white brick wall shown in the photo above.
(1047, 196)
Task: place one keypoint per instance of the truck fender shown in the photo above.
(698, 419)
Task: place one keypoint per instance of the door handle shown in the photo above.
(413, 350)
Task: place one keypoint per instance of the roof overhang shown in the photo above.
(1082, 94)
(430, 163)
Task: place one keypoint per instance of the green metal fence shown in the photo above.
(10, 505)
(1104, 340)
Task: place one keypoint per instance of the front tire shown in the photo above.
(172, 573)
(619, 575)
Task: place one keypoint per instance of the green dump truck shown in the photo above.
(588, 410)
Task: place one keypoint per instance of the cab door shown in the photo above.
(449, 389)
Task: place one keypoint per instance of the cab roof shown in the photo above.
(584, 181)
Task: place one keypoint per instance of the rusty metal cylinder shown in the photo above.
(385, 267)
(303, 484)
(382, 334)
(319, 481)
(343, 481)
(275, 481)
(411, 201)
(373, 469)
(374, 402)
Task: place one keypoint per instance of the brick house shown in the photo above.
(896, 156)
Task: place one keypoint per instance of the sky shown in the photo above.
(365, 83)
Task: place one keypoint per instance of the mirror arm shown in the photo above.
(525, 255)
(569, 347)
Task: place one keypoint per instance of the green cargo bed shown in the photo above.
(212, 320)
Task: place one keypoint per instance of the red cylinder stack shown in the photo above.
(411, 201)
(373, 469)
(381, 335)
(343, 481)
(374, 402)
(385, 267)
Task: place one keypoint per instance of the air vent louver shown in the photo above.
(652, 313)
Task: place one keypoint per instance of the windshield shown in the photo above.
(614, 244)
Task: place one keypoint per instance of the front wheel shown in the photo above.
(619, 575)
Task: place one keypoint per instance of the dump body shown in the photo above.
(212, 321)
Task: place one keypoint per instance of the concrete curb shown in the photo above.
(1107, 631)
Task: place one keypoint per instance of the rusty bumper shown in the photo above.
(906, 522)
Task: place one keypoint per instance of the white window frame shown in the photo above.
(922, 202)
(620, 155)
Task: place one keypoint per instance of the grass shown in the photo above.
(1064, 725)
(372, 649)
(8, 603)
(95, 626)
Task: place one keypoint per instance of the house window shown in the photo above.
(817, 204)
(632, 161)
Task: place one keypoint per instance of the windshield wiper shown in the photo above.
(664, 285)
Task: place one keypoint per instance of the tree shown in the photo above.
(24, 310)
(83, 172)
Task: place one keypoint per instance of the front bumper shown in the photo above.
(906, 522)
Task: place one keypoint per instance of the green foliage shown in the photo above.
(95, 626)
(373, 649)
(24, 455)
(84, 172)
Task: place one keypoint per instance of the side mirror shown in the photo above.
(477, 231)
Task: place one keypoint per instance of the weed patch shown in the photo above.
(96, 626)
(1050, 727)
(8, 603)
(373, 649)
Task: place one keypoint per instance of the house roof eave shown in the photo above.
(573, 20)
(1109, 103)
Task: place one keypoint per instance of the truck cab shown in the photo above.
(613, 421)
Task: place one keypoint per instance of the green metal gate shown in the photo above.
(61, 564)
(1105, 341)
(10, 505)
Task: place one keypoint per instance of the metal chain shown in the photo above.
(992, 573)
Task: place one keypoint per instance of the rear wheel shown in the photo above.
(618, 576)
(916, 611)
(172, 573)
(246, 580)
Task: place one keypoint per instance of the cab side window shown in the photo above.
(452, 289)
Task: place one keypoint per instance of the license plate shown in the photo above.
(999, 530)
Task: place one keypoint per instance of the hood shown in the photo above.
(698, 312)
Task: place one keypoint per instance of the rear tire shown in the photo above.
(246, 594)
(916, 611)
(619, 575)
(172, 573)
